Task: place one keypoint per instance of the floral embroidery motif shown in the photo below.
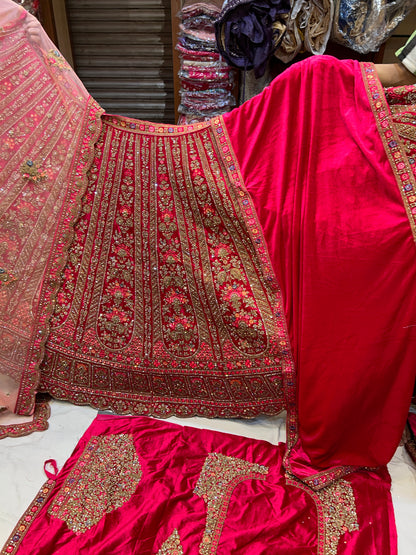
(104, 478)
(179, 323)
(31, 170)
(55, 58)
(217, 481)
(172, 545)
(339, 513)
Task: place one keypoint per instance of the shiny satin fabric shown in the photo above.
(135, 485)
(48, 125)
(332, 183)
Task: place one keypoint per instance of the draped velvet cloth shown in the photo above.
(136, 485)
(262, 260)
(330, 169)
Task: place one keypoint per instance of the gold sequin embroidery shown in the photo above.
(219, 476)
(103, 479)
(340, 514)
(6, 277)
(172, 545)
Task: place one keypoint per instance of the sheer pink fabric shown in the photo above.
(136, 485)
(334, 193)
(48, 124)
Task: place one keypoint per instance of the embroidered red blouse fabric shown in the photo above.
(138, 485)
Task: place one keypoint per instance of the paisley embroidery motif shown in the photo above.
(218, 479)
(104, 478)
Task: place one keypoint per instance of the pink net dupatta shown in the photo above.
(332, 182)
(48, 125)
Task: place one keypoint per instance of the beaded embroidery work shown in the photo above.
(104, 478)
(164, 306)
(6, 278)
(339, 513)
(217, 481)
(172, 545)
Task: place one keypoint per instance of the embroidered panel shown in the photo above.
(216, 483)
(165, 307)
(104, 478)
(339, 513)
(172, 545)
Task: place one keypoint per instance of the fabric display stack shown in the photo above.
(250, 32)
(206, 79)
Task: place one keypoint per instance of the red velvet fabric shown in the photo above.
(258, 513)
(319, 171)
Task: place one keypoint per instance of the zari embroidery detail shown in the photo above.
(6, 278)
(217, 481)
(172, 545)
(104, 478)
(339, 513)
(164, 308)
(31, 171)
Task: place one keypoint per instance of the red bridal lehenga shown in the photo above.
(258, 262)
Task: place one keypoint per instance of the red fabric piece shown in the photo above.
(319, 170)
(220, 493)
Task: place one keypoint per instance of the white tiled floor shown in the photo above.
(22, 459)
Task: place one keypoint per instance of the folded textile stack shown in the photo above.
(249, 32)
(206, 79)
(308, 28)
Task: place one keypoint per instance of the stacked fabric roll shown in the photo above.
(206, 80)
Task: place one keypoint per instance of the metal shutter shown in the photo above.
(122, 51)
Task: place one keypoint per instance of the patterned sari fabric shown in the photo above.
(136, 485)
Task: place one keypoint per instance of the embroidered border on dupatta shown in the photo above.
(399, 162)
(27, 519)
(56, 262)
(39, 423)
